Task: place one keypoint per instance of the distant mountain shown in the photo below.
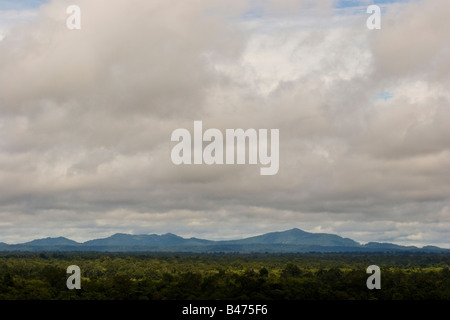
(59, 241)
(388, 246)
(298, 237)
(152, 240)
(294, 240)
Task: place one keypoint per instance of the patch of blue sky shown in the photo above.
(356, 7)
(21, 4)
(385, 95)
(358, 3)
(257, 8)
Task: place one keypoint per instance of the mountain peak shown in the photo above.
(119, 234)
(170, 235)
(295, 231)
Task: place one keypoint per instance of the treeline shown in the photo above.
(312, 276)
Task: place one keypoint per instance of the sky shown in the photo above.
(86, 118)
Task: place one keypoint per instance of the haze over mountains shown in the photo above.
(293, 240)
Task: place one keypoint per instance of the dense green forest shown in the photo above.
(313, 276)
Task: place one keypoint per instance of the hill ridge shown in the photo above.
(291, 240)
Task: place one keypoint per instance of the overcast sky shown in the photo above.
(86, 118)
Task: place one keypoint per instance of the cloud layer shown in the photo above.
(86, 117)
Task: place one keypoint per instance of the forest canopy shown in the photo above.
(164, 276)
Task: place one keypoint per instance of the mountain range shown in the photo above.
(289, 241)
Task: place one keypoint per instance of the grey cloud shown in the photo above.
(86, 118)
